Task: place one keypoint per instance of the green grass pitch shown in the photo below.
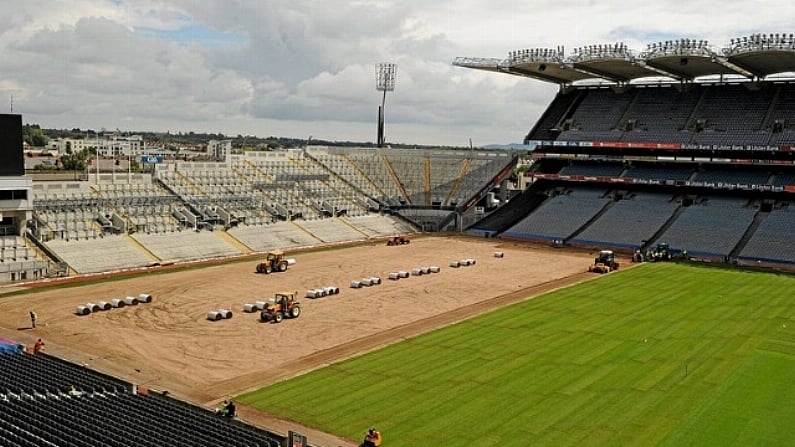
(662, 354)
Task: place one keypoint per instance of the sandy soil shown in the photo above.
(169, 344)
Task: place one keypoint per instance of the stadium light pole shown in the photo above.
(385, 74)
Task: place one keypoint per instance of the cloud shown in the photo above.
(277, 67)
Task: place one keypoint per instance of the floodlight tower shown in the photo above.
(384, 82)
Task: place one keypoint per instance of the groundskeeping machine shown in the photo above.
(282, 305)
(275, 261)
(605, 262)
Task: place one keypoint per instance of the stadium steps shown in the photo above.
(354, 227)
(590, 221)
(771, 108)
(304, 230)
(336, 175)
(509, 214)
(395, 178)
(749, 232)
(465, 167)
(258, 170)
(678, 212)
(196, 189)
(622, 120)
(691, 120)
(140, 247)
(231, 240)
(427, 177)
(358, 169)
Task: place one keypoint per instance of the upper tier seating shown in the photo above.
(593, 169)
(699, 114)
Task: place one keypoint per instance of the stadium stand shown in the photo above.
(660, 114)
(659, 172)
(375, 225)
(561, 215)
(331, 230)
(774, 238)
(256, 201)
(695, 147)
(39, 408)
(279, 235)
(593, 169)
(630, 221)
(103, 254)
(712, 227)
(185, 245)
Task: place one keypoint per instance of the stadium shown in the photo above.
(436, 341)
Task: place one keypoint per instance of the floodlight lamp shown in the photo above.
(385, 77)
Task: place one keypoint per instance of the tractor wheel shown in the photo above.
(277, 317)
(268, 269)
(259, 268)
(295, 311)
(264, 316)
(282, 266)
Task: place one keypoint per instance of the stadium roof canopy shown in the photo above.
(752, 57)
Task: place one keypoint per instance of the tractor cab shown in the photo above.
(606, 257)
(274, 262)
(605, 262)
(662, 252)
(282, 305)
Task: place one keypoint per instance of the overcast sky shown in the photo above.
(302, 68)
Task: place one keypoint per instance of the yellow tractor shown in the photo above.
(282, 305)
(274, 262)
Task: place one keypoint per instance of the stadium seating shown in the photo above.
(103, 254)
(659, 172)
(699, 114)
(331, 230)
(732, 176)
(37, 409)
(630, 221)
(375, 225)
(561, 215)
(712, 227)
(185, 245)
(279, 235)
(593, 169)
(265, 200)
(773, 239)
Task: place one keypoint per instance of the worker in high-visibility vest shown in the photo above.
(38, 346)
